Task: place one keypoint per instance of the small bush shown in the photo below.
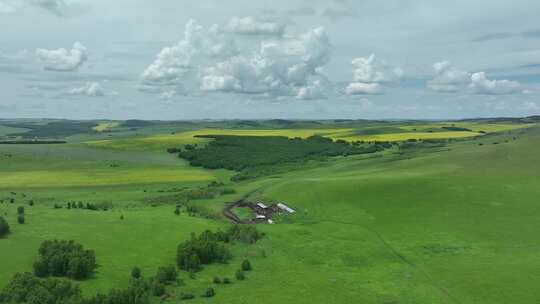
(166, 274)
(246, 265)
(186, 296)
(240, 275)
(4, 227)
(136, 272)
(20, 218)
(158, 289)
(217, 280)
(226, 280)
(20, 210)
(31, 203)
(209, 293)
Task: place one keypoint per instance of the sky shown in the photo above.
(245, 59)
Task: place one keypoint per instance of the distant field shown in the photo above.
(96, 177)
(106, 126)
(475, 127)
(164, 141)
(384, 133)
(34, 166)
(409, 135)
(5, 130)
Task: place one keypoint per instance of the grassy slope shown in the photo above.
(454, 226)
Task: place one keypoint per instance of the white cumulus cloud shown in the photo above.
(288, 67)
(63, 59)
(175, 62)
(370, 74)
(480, 84)
(252, 26)
(207, 59)
(90, 89)
(447, 78)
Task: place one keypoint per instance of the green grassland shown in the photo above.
(451, 224)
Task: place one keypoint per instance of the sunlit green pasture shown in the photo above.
(448, 225)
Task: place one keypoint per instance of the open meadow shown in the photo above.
(439, 215)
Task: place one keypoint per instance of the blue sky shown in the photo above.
(171, 59)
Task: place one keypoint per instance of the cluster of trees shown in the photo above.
(243, 233)
(4, 227)
(28, 289)
(64, 258)
(241, 153)
(138, 292)
(209, 247)
(25, 288)
(90, 206)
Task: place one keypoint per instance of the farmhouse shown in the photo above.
(262, 213)
(285, 207)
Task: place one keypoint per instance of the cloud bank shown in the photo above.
(480, 84)
(63, 60)
(55, 7)
(450, 80)
(252, 26)
(90, 89)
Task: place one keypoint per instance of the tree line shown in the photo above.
(242, 153)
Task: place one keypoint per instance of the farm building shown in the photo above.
(285, 207)
(261, 205)
(260, 216)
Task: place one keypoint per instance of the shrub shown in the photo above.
(158, 289)
(4, 227)
(136, 272)
(177, 210)
(217, 280)
(166, 274)
(246, 265)
(186, 296)
(244, 233)
(20, 218)
(240, 275)
(226, 280)
(20, 210)
(209, 292)
(64, 258)
(31, 203)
